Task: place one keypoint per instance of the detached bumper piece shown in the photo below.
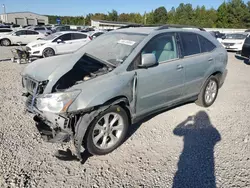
(48, 134)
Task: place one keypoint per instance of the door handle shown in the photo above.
(179, 67)
(210, 59)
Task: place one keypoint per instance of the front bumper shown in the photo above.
(233, 47)
(34, 52)
(52, 127)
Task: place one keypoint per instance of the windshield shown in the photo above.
(113, 47)
(236, 36)
(52, 36)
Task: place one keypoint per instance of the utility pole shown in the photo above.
(145, 18)
(5, 15)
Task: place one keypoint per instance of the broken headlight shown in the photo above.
(56, 102)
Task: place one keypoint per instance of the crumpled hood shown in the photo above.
(48, 68)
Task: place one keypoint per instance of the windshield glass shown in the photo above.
(236, 36)
(113, 47)
(52, 36)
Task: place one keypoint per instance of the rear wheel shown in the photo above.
(209, 92)
(48, 52)
(5, 42)
(107, 131)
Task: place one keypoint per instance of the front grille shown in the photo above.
(228, 44)
(31, 85)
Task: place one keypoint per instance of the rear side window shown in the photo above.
(65, 37)
(206, 45)
(76, 36)
(21, 32)
(31, 32)
(190, 44)
(5, 30)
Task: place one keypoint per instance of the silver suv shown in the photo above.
(95, 94)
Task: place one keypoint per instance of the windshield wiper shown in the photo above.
(102, 61)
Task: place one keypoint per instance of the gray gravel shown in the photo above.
(211, 151)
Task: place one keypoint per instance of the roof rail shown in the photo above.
(168, 26)
(130, 25)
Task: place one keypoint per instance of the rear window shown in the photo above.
(205, 44)
(190, 44)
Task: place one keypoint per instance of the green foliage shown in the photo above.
(230, 14)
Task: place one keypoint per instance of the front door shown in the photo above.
(65, 45)
(160, 85)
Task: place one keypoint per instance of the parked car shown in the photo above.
(41, 29)
(244, 54)
(88, 29)
(4, 31)
(218, 35)
(234, 41)
(20, 36)
(61, 28)
(58, 43)
(94, 34)
(94, 94)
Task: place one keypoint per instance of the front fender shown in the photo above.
(99, 91)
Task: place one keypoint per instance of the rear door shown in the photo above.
(78, 40)
(198, 60)
(31, 36)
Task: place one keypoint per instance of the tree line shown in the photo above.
(230, 14)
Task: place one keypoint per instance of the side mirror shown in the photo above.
(148, 60)
(59, 41)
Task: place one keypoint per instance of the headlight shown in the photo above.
(56, 102)
(38, 45)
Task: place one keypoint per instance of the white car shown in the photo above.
(58, 43)
(4, 31)
(20, 37)
(234, 41)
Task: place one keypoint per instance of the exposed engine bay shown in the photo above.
(85, 69)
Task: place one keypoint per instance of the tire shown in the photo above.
(5, 42)
(94, 145)
(48, 52)
(205, 92)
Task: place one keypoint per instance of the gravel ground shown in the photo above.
(213, 150)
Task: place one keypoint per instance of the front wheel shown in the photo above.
(107, 131)
(48, 52)
(5, 42)
(209, 92)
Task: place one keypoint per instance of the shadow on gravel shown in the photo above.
(196, 163)
(69, 156)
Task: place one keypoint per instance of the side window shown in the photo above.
(5, 30)
(205, 44)
(247, 41)
(163, 46)
(190, 44)
(97, 34)
(29, 32)
(76, 36)
(65, 37)
(39, 29)
(21, 32)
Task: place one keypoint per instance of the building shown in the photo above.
(103, 24)
(24, 18)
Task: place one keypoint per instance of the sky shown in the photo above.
(83, 7)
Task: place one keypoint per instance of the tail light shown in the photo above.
(90, 38)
